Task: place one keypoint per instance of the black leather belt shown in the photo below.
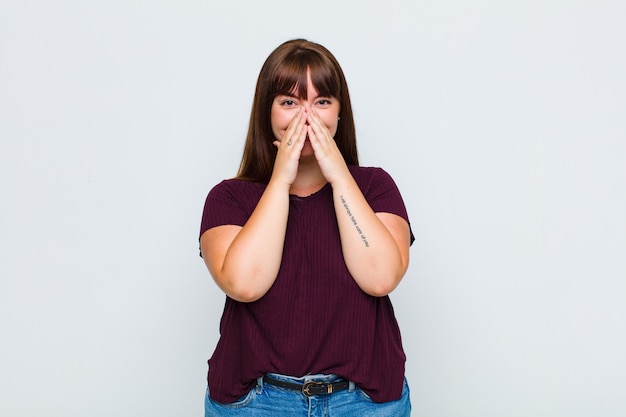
(309, 388)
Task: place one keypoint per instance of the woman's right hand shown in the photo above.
(289, 149)
(244, 261)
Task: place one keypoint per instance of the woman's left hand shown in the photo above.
(328, 155)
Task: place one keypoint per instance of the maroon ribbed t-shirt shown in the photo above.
(314, 319)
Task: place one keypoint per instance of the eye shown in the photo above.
(324, 102)
(288, 102)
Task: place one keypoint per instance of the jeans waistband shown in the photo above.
(305, 378)
(316, 378)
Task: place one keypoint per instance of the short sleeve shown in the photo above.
(228, 203)
(382, 193)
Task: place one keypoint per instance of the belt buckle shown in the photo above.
(306, 388)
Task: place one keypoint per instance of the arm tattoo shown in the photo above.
(358, 229)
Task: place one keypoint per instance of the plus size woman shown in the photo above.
(306, 245)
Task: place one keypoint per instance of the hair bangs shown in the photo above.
(325, 79)
(292, 79)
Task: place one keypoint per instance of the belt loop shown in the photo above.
(259, 385)
(351, 387)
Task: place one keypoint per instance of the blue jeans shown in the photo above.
(266, 400)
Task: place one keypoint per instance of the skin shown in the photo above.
(244, 261)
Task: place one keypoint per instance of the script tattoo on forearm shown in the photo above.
(356, 225)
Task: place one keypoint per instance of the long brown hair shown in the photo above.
(284, 72)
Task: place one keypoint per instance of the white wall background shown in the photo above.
(504, 123)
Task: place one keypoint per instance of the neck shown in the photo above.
(309, 179)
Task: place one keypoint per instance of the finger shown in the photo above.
(319, 132)
(316, 133)
(319, 126)
(300, 135)
(312, 135)
(298, 132)
(319, 145)
(293, 141)
(293, 126)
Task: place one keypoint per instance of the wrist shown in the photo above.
(278, 186)
(342, 180)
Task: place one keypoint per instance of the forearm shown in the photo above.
(370, 250)
(253, 259)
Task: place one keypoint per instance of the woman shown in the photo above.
(306, 245)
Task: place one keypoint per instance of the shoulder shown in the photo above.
(231, 202)
(239, 184)
(380, 190)
(367, 177)
(361, 170)
(235, 189)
